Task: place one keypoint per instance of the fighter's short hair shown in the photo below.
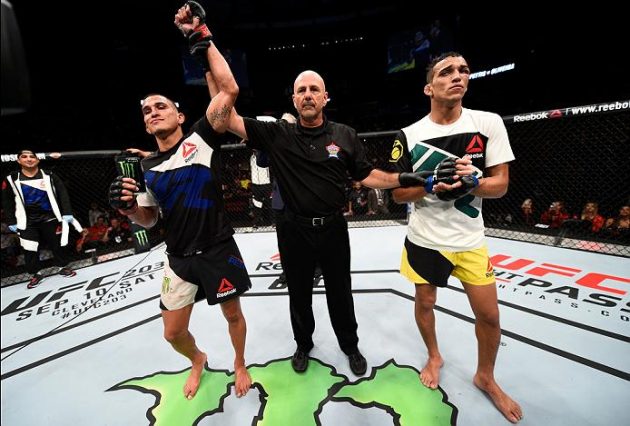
(144, 98)
(437, 59)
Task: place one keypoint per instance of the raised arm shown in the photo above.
(235, 121)
(190, 19)
(222, 104)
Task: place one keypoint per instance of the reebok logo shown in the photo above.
(274, 265)
(188, 149)
(475, 145)
(532, 116)
(489, 269)
(225, 288)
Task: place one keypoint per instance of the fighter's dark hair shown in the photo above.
(434, 62)
(176, 104)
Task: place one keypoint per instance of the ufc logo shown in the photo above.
(592, 280)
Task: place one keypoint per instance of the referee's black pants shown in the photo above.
(301, 248)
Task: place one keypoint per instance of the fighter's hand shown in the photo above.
(185, 21)
(443, 177)
(420, 178)
(122, 195)
(464, 186)
(191, 21)
(451, 170)
(140, 153)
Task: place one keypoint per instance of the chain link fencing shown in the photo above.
(562, 156)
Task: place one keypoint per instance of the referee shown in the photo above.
(311, 160)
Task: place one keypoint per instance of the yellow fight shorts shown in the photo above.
(421, 265)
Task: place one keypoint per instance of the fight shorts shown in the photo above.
(421, 265)
(217, 274)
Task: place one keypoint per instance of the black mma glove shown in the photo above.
(443, 172)
(115, 192)
(200, 38)
(469, 182)
(408, 179)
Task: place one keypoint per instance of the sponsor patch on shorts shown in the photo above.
(225, 288)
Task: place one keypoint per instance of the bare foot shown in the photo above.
(506, 405)
(243, 381)
(192, 383)
(430, 374)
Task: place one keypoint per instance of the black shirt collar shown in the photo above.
(313, 131)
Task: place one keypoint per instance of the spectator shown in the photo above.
(619, 226)
(591, 214)
(92, 237)
(377, 201)
(116, 235)
(555, 215)
(95, 212)
(527, 216)
(357, 200)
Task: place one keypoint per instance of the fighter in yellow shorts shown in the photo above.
(446, 231)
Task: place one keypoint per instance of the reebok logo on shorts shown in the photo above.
(225, 288)
(489, 270)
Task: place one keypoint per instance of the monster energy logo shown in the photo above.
(166, 285)
(127, 169)
(142, 237)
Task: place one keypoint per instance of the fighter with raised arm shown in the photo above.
(183, 183)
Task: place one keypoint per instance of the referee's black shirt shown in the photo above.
(311, 164)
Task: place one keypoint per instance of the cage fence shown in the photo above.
(564, 160)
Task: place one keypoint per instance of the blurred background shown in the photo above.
(85, 76)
